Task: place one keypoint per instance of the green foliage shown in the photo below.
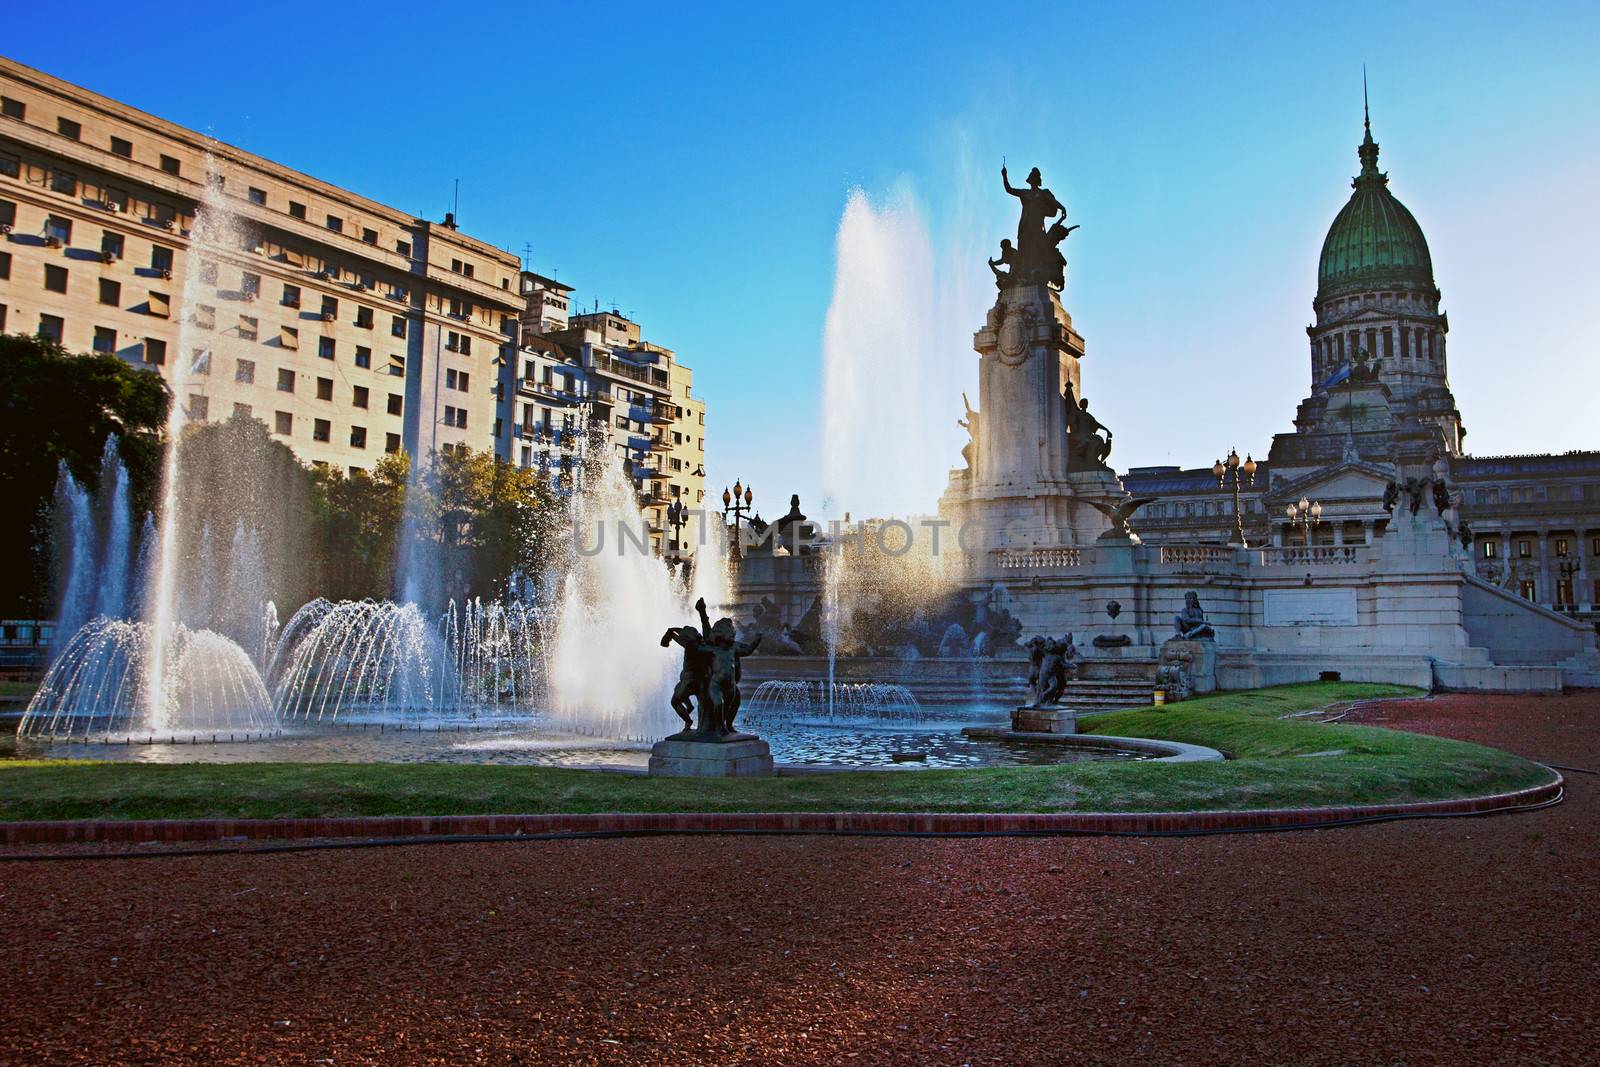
(1274, 763)
(357, 521)
(491, 517)
(56, 407)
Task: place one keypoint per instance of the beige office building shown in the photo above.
(349, 328)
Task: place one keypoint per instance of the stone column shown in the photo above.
(1338, 532)
(1366, 531)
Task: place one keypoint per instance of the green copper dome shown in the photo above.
(1374, 242)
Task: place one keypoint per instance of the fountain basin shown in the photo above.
(1145, 748)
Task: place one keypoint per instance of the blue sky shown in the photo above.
(690, 165)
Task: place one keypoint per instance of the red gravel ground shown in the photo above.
(1449, 941)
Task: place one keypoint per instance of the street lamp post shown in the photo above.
(1564, 592)
(1246, 470)
(738, 506)
(677, 517)
(1307, 513)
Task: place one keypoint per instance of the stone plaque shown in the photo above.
(1310, 607)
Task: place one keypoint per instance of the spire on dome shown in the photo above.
(1369, 148)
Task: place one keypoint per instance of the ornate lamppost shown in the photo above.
(1307, 513)
(677, 517)
(739, 507)
(1247, 471)
(1565, 590)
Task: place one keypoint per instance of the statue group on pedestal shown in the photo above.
(710, 675)
(1051, 664)
(1036, 258)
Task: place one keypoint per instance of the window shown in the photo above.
(391, 443)
(248, 327)
(1594, 550)
(200, 361)
(55, 278)
(58, 230)
(5, 265)
(364, 318)
(68, 128)
(457, 379)
(297, 210)
(1563, 548)
(336, 224)
(245, 371)
(330, 308)
(122, 147)
(10, 164)
(1528, 590)
(285, 380)
(403, 247)
(155, 351)
(8, 213)
(325, 347)
(160, 305)
(208, 272)
(1524, 549)
(2, 318)
(283, 423)
(250, 284)
(358, 437)
(51, 327)
(397, 327)
(324, 388)
(199, 407)
(363, 357)
(243, 411)
(397, 366)
(105, 339)
(460, 309)
(161, 259)
(115, 198)
(321, 430)
(170, 165)
(359, 396)
(289, 337)
(256, 196)
(456, 417)
(62, 181)
(291, 296)
(369, 236)
(13, 109)
(163, 215)
(1491, 549)
(396, 404)
(205, 316)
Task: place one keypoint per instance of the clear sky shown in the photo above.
(690, 164)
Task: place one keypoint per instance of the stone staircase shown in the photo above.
(1087, 695)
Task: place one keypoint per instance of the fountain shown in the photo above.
(791, 701)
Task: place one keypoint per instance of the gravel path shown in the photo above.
(1453, 941)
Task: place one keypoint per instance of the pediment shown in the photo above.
(1347, 481)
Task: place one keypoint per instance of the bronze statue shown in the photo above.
(710, 674)
(1085, 447)
(1035, 259)
(1190, 623)
(1051, 664)
(969, 424)
(1119, 514)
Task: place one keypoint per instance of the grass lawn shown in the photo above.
(1273, 763)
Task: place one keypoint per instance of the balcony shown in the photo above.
(646, 376)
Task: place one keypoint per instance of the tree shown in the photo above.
(358, 528)
(494, 519)
(56, 408)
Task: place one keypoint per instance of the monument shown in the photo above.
(1052, 664)
(1037, 473)
(706, 698)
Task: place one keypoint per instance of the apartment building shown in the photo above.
(351, 329)
(573, 372)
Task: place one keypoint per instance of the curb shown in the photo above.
(131, 831)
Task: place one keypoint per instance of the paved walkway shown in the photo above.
(1454, 941)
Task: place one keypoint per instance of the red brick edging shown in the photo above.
(132, 831)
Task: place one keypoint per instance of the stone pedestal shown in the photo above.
(1048, 720)
(1199, 661)
(735, 756)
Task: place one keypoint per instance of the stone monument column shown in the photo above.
(1036, 474)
